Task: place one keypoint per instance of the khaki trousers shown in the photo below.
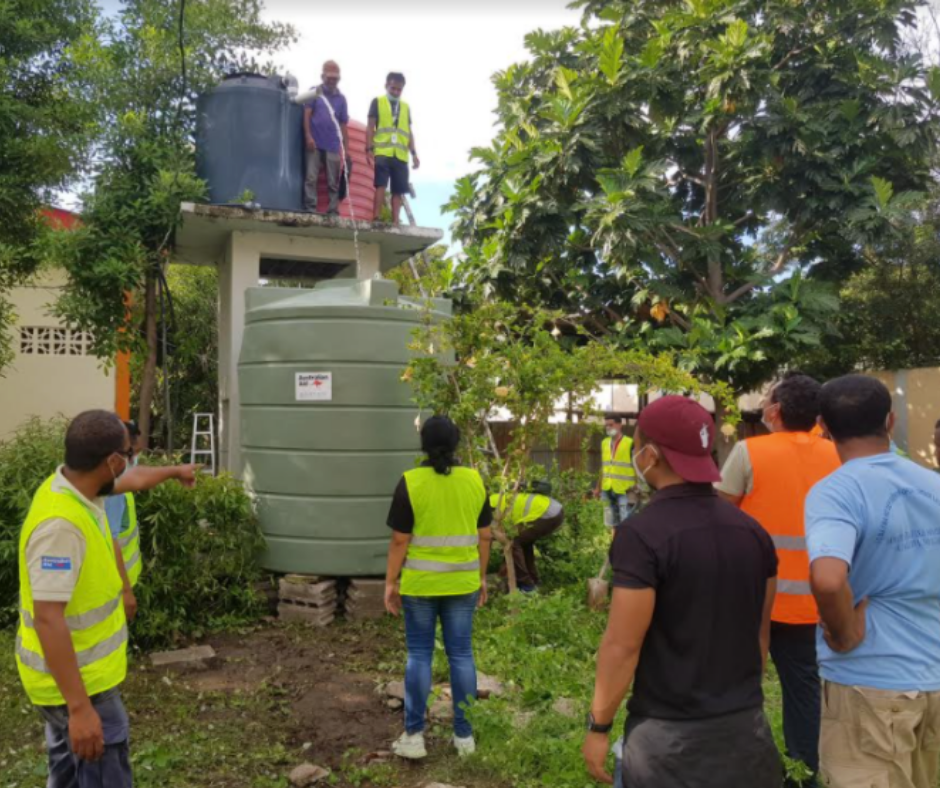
(874, 738)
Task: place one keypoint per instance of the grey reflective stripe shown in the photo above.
(440, 566)
(794, 587)
(81, 621)
(528, 506)
(618, 476)
(446, 541)
(617, 464)
(393, 130)
(132, 561)
(790, 542)
(124, 541)
(85, 658)
(395, 145)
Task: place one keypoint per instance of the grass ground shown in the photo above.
(281, 695)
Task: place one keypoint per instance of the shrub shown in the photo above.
(200, 545)
(200, 550)
(575, 551)
(26, 460)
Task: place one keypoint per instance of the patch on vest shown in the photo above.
(56, 564)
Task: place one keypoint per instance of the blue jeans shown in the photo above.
(113, 770)
(617, 508)
(456, 615)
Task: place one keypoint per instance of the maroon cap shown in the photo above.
(685, 432)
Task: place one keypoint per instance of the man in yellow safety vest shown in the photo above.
(617, 478)
(121, 511)
(71, 644)
(535, 516)
(390, 139)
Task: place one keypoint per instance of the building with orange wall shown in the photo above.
(53, 371)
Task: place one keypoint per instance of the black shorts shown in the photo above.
(388, 168)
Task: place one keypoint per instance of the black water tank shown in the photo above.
(249, 138)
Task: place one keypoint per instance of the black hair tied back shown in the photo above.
(439, 440)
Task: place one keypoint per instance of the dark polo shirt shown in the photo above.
(709, 564)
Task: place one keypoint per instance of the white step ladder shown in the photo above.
(198, 452)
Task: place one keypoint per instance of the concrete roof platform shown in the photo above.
(205, 229)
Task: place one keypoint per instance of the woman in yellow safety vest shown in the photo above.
(440, 519)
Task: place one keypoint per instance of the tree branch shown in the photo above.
(777, 266)
(790, 55)
(679, 320)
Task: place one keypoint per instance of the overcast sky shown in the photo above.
(448, 52)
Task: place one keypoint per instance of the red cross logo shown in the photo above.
(318, 383)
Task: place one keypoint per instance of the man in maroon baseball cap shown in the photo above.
(694, 583)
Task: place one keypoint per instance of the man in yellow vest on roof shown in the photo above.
(71, 644)
(389, 141)
(617, 478)
(535, 516)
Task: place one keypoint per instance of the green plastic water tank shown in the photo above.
(327, 426)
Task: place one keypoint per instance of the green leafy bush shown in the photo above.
(26, 460)
(200, 550)
(575, 551)
(200, 545)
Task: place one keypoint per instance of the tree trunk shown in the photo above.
(148, 379)
(506, 544)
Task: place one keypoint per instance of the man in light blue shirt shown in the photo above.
(873, 535)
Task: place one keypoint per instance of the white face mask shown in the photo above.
(613, 432)
(640, 473)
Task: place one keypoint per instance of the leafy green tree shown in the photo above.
(500, 356)
(148, 68)
(888, 314)
(434, 271)
(44, 127)
(671, 172)
(193, 345)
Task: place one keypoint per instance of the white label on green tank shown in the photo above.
(313, 386)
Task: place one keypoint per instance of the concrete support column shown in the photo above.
(241, 269)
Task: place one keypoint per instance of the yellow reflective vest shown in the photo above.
(618, 473)
(392, 139)
(526, 508)
(129, 541)
(443, 556)
(94, 614)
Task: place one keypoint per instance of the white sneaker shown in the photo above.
(465, 747)
(410, 746)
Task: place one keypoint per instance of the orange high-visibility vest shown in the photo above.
(785, 466)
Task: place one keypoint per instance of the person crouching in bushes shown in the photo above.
(440, 518)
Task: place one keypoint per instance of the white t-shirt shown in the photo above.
(56, 549)
(737, 475)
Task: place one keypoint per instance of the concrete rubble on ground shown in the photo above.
(441, 709)
(365, 599)
(307, 774)
(196, 657)
(308, 599)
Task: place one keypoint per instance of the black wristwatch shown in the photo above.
(595, 727)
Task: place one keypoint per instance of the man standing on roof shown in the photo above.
(389, 140)
(324, 145)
